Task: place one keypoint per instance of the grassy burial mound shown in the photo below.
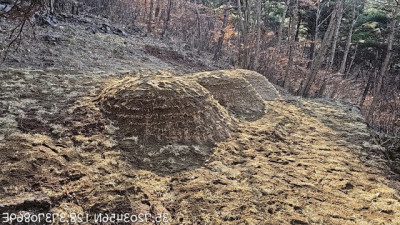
(167, 120)
(233, 92)
(265, 88)
(165, 109)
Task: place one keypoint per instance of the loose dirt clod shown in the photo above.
(165, 109)
(233, 92)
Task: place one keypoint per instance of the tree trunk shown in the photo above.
(389, 48)
(336, 36)
(157, 11)
(246, 35)
(51, 6)
(145, 10)
(167, 18)
(256, 57)
(352, 61)
(150, 19)
(280, 32)
(243, 38)
(282, 24)
(315, 37)
(385, 65)
(299, 18)
(320, 56)
(367, 87)
(322, 89)
(292, 37)
(348, 41)
(198, 28)
(217, 53)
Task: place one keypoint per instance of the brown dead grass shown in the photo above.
(303, 162)
(234, 92)
(288, 167)
(166, 109)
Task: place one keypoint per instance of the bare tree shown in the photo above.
(198, 25)
(150, 18)
(218, 49)
(320, 56)
(292, 37)
(243, 55)
(316, 33)
(157, 11)
(22, 12)
(367, 87)
(389, 46)
(258, 38)
(385, 65)
(353, 57)
(51, 4)
(349, 37)
(167, 18)
(282, 24)
(336, 36)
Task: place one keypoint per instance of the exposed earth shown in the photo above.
(65, 146)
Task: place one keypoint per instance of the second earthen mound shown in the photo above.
(164, 109)
(234, 92)
(265, 88)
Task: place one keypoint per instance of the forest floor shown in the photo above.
(87, 43)
(304, 162)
